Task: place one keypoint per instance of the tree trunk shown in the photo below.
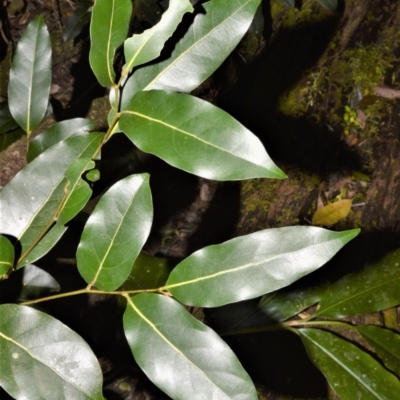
(318, 67)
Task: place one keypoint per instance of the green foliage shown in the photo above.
(194, 136)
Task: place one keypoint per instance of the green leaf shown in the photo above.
(6, 256)
(9, 138)
(193, 135)
(285, 304)
(352, 373)
(77, 20)
(57, 133)
(215, 32)
(30, 76)
(74, 193)
(331, 5)
(108, 30)
(181, 355)
(147, 46)
(36, 283)
(147, 273)
(386, 344)
(41, 358)
(375, 288)
(32, 201)
(250, 266)
(7, 122)
(115, 233)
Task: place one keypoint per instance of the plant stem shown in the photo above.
(89, 291)
(284, 325)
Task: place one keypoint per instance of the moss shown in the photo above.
(291, 17)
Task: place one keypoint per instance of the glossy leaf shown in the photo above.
(44, 245)
(147, 273)
(250, 266)
(73, 194)
(6, 256)
(352, 373)
(36, 283)
(115, 233)
(32, 201)
(386, 344)
(193, 135)
(147, 46)
(373, 289)
(285, 304)
(7, 122)
(331, 5)
(181, 355)
(77, 20)
(108, 30)
(9, 138)
(56, 133)
(215, 32)
(332, 213)
(41, 358)
(30, 76)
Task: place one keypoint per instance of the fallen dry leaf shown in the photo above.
(332, 213)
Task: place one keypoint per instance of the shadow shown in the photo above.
(85, 88)
(279, 361)
(254, 100)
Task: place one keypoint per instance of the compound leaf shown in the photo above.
(181, 355)
(41, 358)
(373, 289)
(108, 30)
(193, 135)
(30, 76)
(147, 46)
(352, 373)
(250, 266)
(214, 33)
(115, 233)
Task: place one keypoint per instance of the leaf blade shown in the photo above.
(6, 255)
(351, 372)
(106, 263)
(250, 266)
(108, 30)
(44, 365)
(373, 289)
(332, 213)
(166, 351)
(59, 131)
(218, 30)
(193, 135)
(147, 46)
(385, 342)
(30, 76)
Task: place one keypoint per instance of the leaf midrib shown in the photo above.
(175, 128)
(43, 362)
(343, 366)
(170, 65)
(152, 326)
